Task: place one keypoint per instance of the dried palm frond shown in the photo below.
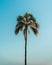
(37, 25)
(34, 30)
(34, 27)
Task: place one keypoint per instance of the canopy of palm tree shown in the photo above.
(25, 21)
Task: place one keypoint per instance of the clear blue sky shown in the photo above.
(12, 46)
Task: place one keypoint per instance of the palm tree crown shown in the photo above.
(24, 21)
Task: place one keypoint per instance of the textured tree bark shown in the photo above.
(26, 49)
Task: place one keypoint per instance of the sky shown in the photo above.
(39, 49)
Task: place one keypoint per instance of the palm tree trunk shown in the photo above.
(26, 49)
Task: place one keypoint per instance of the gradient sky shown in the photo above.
(12, 46)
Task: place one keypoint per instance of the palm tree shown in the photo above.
(23, 22)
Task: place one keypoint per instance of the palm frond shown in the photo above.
(32, 18)
(33, 25)
(18, 27)
(34, 30)
(27, 16)
(37, 25)
(20, 18)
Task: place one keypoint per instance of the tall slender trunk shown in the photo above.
(26, 49)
